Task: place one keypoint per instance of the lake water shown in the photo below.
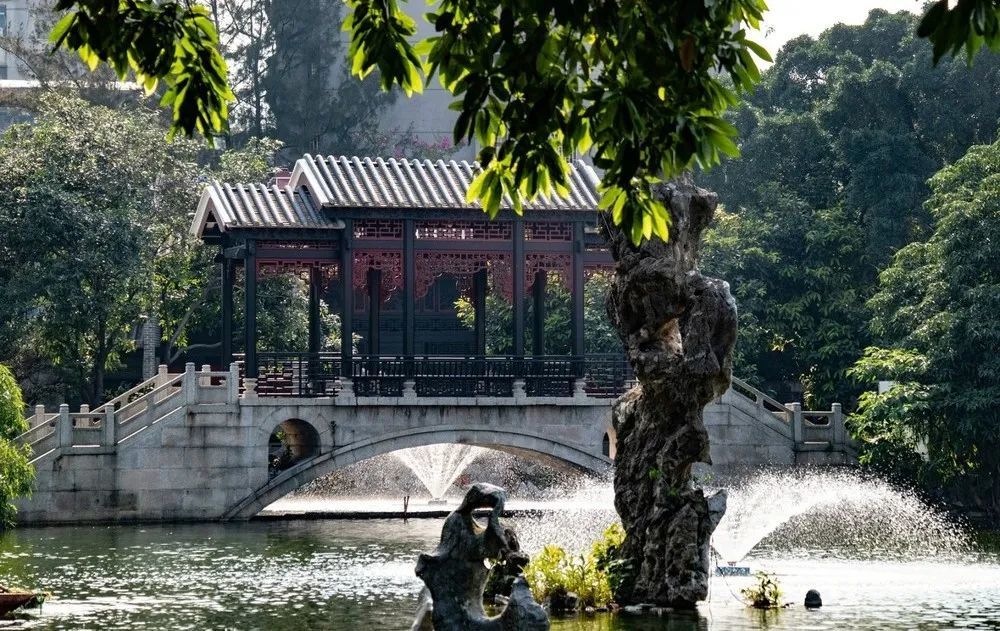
(347, 575)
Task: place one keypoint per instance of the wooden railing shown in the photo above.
(322, 374)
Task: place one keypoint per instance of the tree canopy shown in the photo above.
(936, 326)
(96, 236)
(641, 86)
(837, 144)
(173, 42)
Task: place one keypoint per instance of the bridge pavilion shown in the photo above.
(372, 232)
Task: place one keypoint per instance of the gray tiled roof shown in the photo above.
(319, 183)
(342, 182)
(237, 206)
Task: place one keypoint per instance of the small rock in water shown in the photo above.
(813, 600)
(568, 601)
(640, 609)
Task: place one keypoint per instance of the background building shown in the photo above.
(15, 23)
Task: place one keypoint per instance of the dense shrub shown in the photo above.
(554, 573)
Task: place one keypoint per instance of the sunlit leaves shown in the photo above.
(380, 33)
(953, 25)
(173, 42)
(935, 315)
(639, 86)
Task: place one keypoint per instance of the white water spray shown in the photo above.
(798, 509)
(438, 466)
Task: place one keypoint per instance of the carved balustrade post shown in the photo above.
(797, 423)
(189, 384)
(233, 383)
(64, 427)
(109, 435)
(839, 430)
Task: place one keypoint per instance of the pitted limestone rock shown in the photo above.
(678, 328)
(455, 573)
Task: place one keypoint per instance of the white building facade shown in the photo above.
(15, 22)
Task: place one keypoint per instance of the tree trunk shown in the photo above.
(100, 361)
(678, 328)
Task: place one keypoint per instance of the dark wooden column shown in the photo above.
(250, 297)
(315, 325)
(227, 312)
(579, 287)
(479, 306)
(409, 287)
(538, 309)
(347, 299)
(374, 310)
(517, 298)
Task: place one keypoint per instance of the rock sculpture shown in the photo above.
(678, 328)
(455, 573)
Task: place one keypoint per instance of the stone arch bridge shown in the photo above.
(195, 445)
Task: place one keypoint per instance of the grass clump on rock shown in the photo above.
(765, 594)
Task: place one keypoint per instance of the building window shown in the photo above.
(3, 22)
(3, 72)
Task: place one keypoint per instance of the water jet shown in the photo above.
(438, 466)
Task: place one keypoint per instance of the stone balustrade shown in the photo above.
(194, 445)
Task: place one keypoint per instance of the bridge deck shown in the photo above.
(195, 445)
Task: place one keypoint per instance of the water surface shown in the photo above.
(347, 575)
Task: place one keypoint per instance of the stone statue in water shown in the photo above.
(456, 572)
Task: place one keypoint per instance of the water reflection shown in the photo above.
(268, 576)
(349, 575)
(678, 621)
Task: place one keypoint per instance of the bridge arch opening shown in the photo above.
(609, 443)
(291, 442)
(536, 447)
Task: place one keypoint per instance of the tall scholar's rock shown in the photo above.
(455, 573)
(678, 328)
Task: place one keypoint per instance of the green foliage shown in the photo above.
(16, 475)
(968, 24)
(766, 594)
(554, 573)
(175, 42)
(837, 144)
(92, 193)
(599, 336)
(253, 162)
(934, 318)
(593, 578)
(12, 423)
(642, 85)
(96, 235)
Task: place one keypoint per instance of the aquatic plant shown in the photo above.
(554, 574)
(765, 594)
